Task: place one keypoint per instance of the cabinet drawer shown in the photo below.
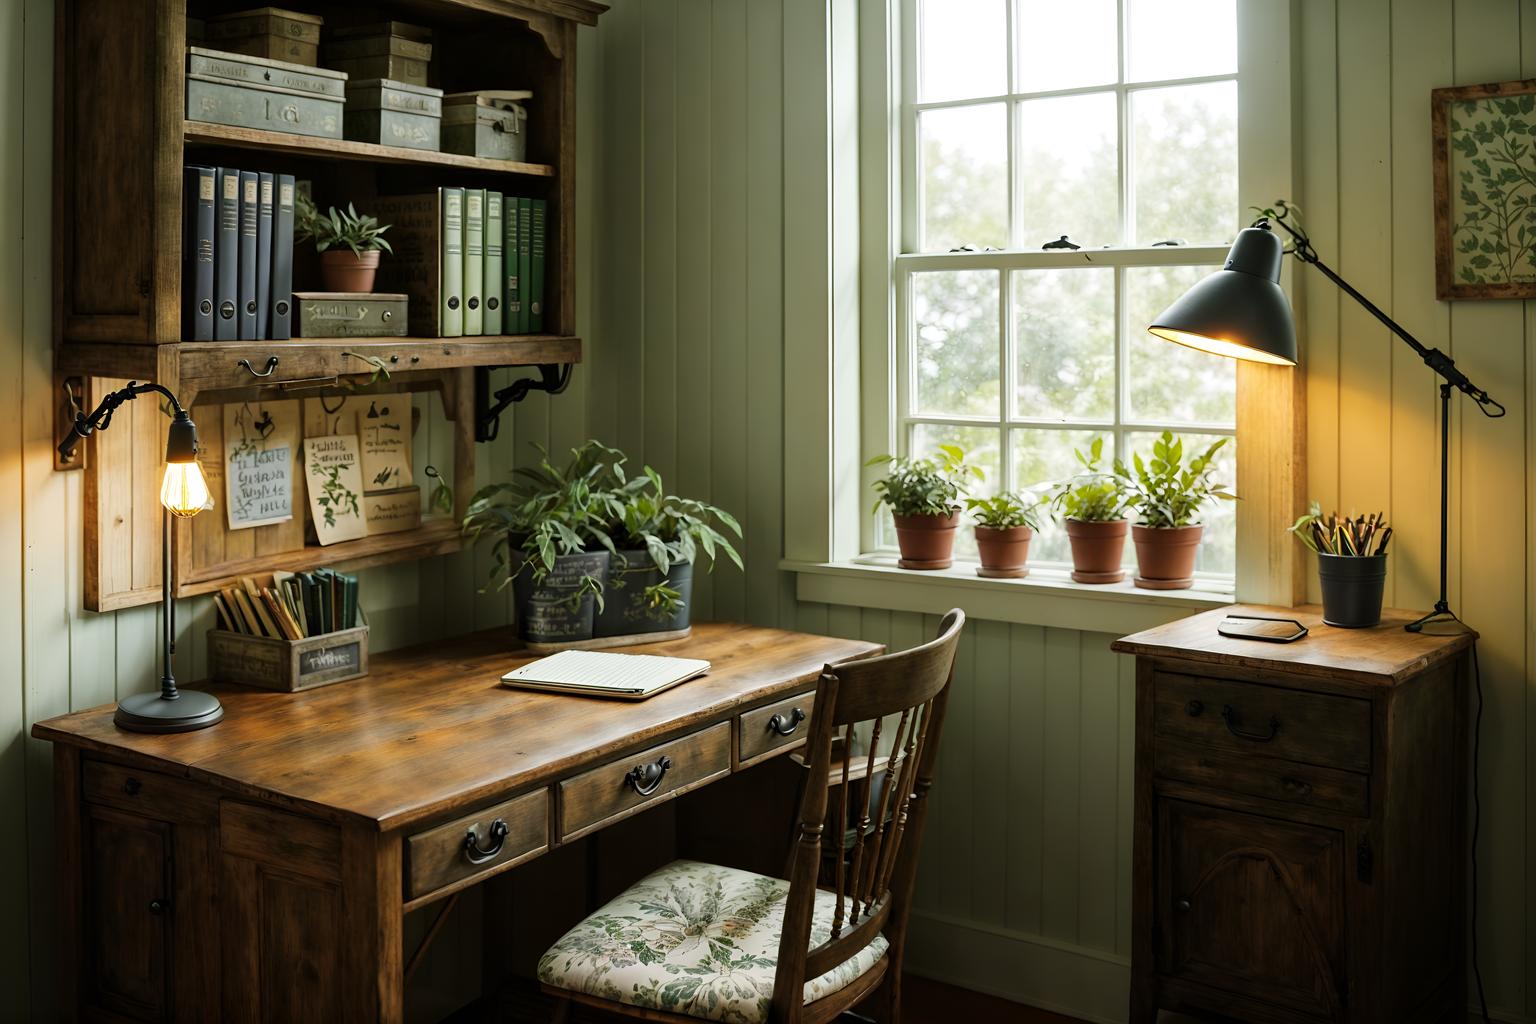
(504, 834)
(148, 793)
(649, 777)
(1249, 718)
(776, 726)
(1267, 777)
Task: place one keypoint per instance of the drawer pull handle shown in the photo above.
(472, 851)
(1296, 787)
(131, 786)
(1182, 906)
(158, 907)
(1194, 708)
(1229, 716)
(645, 779)
(786, 725)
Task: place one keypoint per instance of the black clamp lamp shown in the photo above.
(183, 493)
(1240, 311)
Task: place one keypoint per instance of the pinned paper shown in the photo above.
(382, 425)
(335, 484)
(260, 447)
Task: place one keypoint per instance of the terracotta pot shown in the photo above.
(1097, 549)
(1165, 555)
(927, 542)
(342, 270)
(1004, 551)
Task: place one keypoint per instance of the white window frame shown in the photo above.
(842, 126)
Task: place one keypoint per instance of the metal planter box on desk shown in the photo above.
(249, 92)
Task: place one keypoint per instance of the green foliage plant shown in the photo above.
(670, 528)
(359, 232)
(925, 487)
(1094, 495)
(1006, 511)
(1168, 493)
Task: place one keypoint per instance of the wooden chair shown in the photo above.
(704, 942)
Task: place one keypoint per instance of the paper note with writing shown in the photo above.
(260, 446)
(383, 425)
(392, 511)
(335, 484)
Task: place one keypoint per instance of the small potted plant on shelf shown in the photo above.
(1351, 564)
(1092, 505)
(658, 539)
(1168, 495)
(924, 496)
(348, 242)
(1005, 524)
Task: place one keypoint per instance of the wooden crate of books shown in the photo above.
(286, 632)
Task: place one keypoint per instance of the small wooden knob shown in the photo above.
(1182, 906)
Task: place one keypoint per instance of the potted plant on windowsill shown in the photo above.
(924, 496)
(658, 540)
(1092, 506)
(1005, 524)
(348, 243)
(1169, 495)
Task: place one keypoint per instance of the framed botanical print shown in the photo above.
(1484, 139)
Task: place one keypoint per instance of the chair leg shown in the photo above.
(891, 1013)
(562, 1012)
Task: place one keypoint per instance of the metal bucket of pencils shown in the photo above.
(1352, 586)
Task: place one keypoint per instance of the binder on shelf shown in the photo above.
(249, 209)
(281, 320)
(524, 263)
(226, 258)
(426, 233)
(263, 255)
(536, 270)
(474, 261)
(512, 298)
(494, 240)
(199, 190)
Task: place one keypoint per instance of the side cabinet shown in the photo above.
(1299, 832)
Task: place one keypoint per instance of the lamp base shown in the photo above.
(150, 712)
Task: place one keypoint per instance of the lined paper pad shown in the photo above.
(605, 674)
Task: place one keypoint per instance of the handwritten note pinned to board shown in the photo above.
(260, 445)
(335, 485)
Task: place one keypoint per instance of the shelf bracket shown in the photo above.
(552, 378)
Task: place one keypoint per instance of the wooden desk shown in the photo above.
(261, 869)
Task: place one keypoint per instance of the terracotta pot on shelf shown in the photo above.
(926, 542)
(1097, 549)
(1165, 555)
(342, 270)
(1004, 551)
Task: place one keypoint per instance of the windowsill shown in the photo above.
(1046, 597)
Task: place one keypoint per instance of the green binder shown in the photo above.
(451, 289)
(512, 299)
(536, 271)
(495, 273)
(474, 261)
(524, 263)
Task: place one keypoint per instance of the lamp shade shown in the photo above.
(1239, 311)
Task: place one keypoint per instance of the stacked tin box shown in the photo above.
(490, 123)
(269, 32)
(256, 92)
(388, 99)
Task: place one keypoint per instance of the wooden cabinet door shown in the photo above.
(1252, 905)
(127, 912)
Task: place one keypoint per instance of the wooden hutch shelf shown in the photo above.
(201, 133)
(121, 140)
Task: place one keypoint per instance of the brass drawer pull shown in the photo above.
(271, 365)
(1229, 716)
(645, 779)
(785, 725)
(472, 851)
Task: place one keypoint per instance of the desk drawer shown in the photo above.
(1267, 777)
(145, 792)
(446, 854)
(1248, 718)
(653, 776)
(776, 726)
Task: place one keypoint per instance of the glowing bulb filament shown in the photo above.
(184, 490)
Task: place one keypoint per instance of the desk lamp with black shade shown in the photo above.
(1240, 311)
(183, 493)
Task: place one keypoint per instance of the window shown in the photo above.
(1113, 122)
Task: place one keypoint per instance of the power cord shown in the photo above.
(1477, 813)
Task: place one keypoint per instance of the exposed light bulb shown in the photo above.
(184, 490)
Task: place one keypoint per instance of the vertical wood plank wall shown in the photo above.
(680, 223)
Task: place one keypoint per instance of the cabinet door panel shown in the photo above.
(127, 909)
(1252, 905)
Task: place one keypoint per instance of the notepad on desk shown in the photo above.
(605, 674)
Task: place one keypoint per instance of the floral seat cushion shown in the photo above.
(694, 939)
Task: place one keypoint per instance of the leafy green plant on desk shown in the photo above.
(1168, 493)
(670, 528)
(1094, 495)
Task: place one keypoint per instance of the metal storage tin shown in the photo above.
(350, 314)
(269, 32)
(391, 50)
(490, 124)
(230, 88)
(394, 114)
